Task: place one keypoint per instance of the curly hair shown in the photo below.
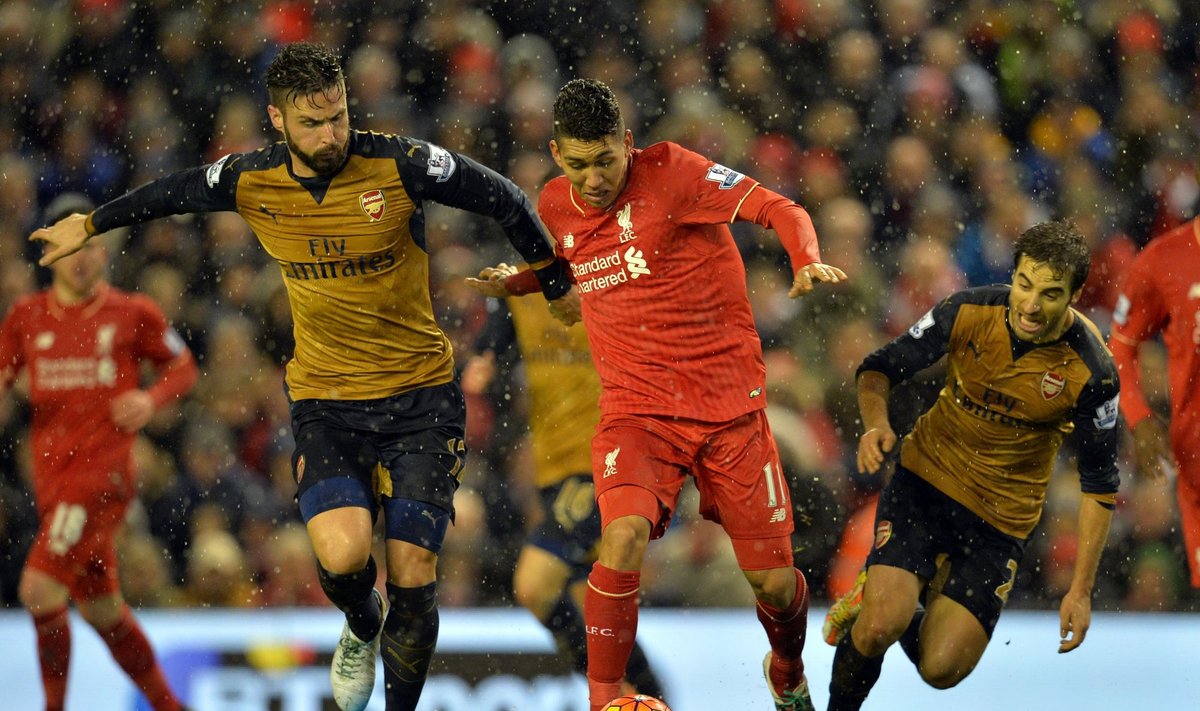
(1060, 245)
(587, 110)
(301, 69)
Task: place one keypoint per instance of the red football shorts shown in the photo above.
(79, 518)
(735, 465)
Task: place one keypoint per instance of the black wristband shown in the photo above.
(554, 278)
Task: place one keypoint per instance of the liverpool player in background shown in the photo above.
(663, 292)
(82, 344)
(376, 411)
(1024, 371)
(1161, 294)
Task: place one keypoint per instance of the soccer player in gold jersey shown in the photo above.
(376, 411)
(1024, 371)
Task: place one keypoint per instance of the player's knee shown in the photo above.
(874, 634)
(532, 596)
(344, 560)
(774, 587)
(941, 675)
(102, 613)
(39, 594)
(624, 541)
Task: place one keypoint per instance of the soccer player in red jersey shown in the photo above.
(645, 233)
(1162, 295)
(82, 343)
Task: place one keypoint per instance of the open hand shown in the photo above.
(810, 274)
(491, 280)
(63, 238)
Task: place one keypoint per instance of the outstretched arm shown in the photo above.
(1075, 612)
(200, 189)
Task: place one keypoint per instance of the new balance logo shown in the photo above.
(635, 263)
(778, 516)
(610, 462)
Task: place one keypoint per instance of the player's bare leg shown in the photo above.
(951, 642)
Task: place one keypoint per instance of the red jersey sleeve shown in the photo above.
(12, 354)
(1139, 315)
(705, 193)
(160, 344)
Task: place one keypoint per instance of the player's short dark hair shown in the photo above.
(1060, 245)
(587, 110)
(301, 69)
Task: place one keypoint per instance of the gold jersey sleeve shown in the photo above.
(356, 277)
(991, 438)
(563, 390)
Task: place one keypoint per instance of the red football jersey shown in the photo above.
(663, 287)
(1162, 294)
(78, 359)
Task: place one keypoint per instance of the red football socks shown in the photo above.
(54, 655)
(133, 653)
(786, 631)
(610, 617)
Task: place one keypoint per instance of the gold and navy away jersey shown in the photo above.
(990, 440)
(352, 251)
(563, 388)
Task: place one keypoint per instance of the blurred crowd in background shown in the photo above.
(922, 135)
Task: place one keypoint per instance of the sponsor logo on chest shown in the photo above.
(606, 270)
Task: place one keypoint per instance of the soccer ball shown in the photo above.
(639, 702)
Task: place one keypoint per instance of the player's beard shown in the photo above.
(324, 163)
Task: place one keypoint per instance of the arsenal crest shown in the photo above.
(883, 533)
(1052, 384)
(373, 204)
